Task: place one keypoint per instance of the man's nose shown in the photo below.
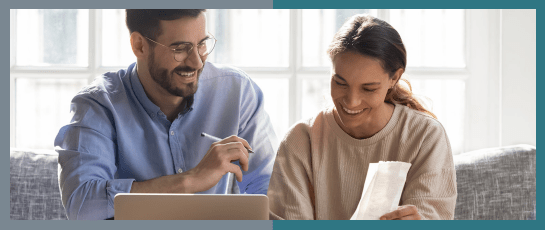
(194, 60)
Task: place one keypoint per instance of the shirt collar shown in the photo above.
(148, 105)
(138, 89)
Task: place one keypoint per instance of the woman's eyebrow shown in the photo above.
(338, 76)
(364, 84)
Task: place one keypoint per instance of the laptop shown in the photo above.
(161, 206)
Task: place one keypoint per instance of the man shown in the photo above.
(138, 130)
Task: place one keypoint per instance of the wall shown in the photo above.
(518, 77)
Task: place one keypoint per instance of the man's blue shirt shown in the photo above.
(117, 136)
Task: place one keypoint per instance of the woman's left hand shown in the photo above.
(404, 212)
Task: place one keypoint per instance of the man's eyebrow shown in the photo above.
(179, 43)
(185, 43)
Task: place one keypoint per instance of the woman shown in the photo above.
(322, 162)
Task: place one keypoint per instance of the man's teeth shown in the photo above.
(352, 111)
(186, 74)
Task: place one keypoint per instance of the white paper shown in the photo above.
(382, 190)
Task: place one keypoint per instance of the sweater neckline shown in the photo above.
(367, 141)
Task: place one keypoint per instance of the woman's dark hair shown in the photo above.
(376, 38)
(146, 22)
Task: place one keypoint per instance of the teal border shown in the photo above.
(403, 4)
(427, 4)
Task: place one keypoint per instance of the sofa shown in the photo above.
(493, 184)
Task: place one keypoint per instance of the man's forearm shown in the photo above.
(178, 183)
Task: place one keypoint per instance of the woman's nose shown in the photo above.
(352, 100)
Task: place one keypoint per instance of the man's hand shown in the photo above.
(215, 164)
(404, 212)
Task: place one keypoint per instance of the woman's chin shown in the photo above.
(351, 121)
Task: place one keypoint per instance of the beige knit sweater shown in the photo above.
(320, 170)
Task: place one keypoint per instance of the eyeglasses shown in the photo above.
(182, 51)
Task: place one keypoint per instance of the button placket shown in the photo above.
(176, 148)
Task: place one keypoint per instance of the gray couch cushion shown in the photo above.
(34, 186)
(496, 184)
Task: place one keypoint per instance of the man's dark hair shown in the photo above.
(146, 22)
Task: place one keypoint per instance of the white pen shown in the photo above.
(218, 139)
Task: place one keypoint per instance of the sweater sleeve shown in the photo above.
(291, 193)
(431, 181)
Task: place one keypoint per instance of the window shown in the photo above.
(56, 52)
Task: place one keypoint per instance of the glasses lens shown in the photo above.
(204, 49)
(180, 56)
(207, 46)
(181, 52)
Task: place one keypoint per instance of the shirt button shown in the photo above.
(180, 170)
(172, 133)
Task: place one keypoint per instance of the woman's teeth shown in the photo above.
(352, 111)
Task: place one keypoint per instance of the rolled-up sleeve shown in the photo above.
(87, 161)
(256, 128)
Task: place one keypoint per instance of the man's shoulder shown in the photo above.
(215, 71)
(108, 85)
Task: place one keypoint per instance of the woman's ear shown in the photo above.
(138, 45)
(396, 77)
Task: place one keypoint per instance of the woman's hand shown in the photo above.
(404, 212)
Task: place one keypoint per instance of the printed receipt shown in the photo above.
(382, 190)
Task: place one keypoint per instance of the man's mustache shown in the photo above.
(184, 69)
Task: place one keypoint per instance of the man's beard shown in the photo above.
(165, 79)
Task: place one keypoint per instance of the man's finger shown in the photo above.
(244, 142)
(235, 138)
(239, 146)
(233, 168)
(244, 161)
(238, 154)
(241, 156)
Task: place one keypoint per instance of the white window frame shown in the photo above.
(481, 74)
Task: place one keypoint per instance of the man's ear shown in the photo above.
(396, 77)
(139, 45)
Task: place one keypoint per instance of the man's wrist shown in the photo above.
(178, 183)
(184, 183)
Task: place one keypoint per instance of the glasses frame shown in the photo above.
(190, 49)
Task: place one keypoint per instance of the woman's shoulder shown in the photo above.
(414, 119)
(302, 136)
(306, 126)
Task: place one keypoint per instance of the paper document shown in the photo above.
(382, 190)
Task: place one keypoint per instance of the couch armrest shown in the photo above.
(496, 184)
(34, 186)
